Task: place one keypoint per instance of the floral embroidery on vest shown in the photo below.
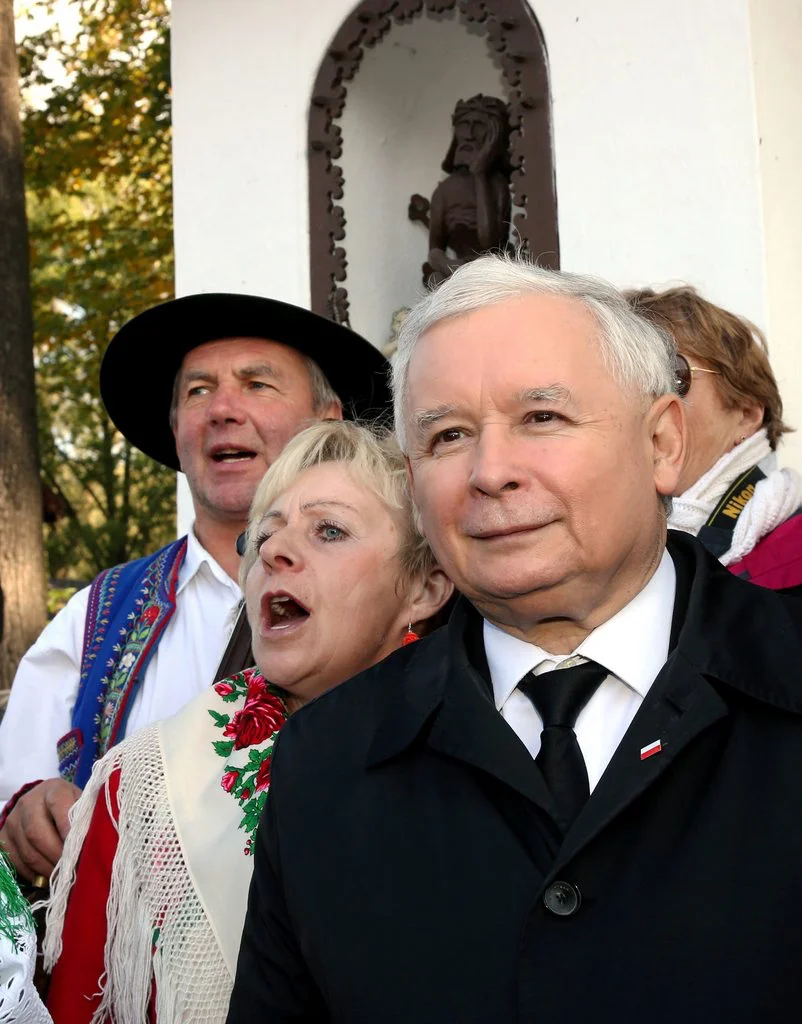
(130, 602)
(151, 611)
(98, 611)
(253, 728)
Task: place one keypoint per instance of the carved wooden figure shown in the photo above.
(470, 209)
(514, 39)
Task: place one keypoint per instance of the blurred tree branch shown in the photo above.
(99, 185)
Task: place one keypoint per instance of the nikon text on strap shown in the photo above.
(716, 534)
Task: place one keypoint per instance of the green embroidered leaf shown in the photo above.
(250, 820)
(219, 720)
(223, 747)
(229, 698)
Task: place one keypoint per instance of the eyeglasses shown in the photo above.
(683, 374)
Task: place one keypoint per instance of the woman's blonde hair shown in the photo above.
(730, 344)
(372, 456)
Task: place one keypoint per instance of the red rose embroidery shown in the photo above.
(150, 614)
(263, 775)
(249, 674)
(258, 719)
(257, 690)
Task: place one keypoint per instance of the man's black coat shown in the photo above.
(407, 862)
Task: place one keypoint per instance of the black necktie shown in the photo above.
(558, 697)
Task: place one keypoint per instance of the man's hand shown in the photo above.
(34, 833)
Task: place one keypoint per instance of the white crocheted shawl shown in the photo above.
(190, 793)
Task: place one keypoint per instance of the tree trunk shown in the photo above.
(22, 573)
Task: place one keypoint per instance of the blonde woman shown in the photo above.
(146, 925)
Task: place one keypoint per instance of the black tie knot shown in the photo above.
(560, 695)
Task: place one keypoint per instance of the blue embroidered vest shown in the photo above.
(129, 607)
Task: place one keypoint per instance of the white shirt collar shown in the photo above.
(198, 559)
(632, 645)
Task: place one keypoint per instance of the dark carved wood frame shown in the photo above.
(513, 33)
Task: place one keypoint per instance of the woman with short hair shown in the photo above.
(731, 494)
(146, 925)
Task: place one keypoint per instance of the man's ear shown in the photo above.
(333, 411)
(667, 430)
(428, 595)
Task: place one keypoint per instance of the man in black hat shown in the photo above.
(214, 385)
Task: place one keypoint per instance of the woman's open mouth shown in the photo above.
(281, 612)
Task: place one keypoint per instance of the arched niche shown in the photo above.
(453, 48)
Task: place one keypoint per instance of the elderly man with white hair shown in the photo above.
(580, 800)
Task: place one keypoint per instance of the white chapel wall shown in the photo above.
(396, 131)
(655, 138)
(655, 132)
(777, 56)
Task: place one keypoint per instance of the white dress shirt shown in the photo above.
(45, 687)
(632, 646)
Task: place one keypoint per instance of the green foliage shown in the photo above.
(98, 177)
(57, 597)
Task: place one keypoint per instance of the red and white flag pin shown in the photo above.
(650, 750)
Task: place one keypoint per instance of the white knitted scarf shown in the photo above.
(776, 497)
(180, 875)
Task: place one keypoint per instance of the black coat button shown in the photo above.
(562, 899)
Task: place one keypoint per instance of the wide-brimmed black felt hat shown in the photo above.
(140, 365)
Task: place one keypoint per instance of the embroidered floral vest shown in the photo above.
(129, 607)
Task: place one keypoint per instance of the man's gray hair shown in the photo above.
(323, 394)
(634, 350)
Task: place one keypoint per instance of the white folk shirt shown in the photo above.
(45, 687)
(632, 646)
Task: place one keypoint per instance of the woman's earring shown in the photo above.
(409, 637)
